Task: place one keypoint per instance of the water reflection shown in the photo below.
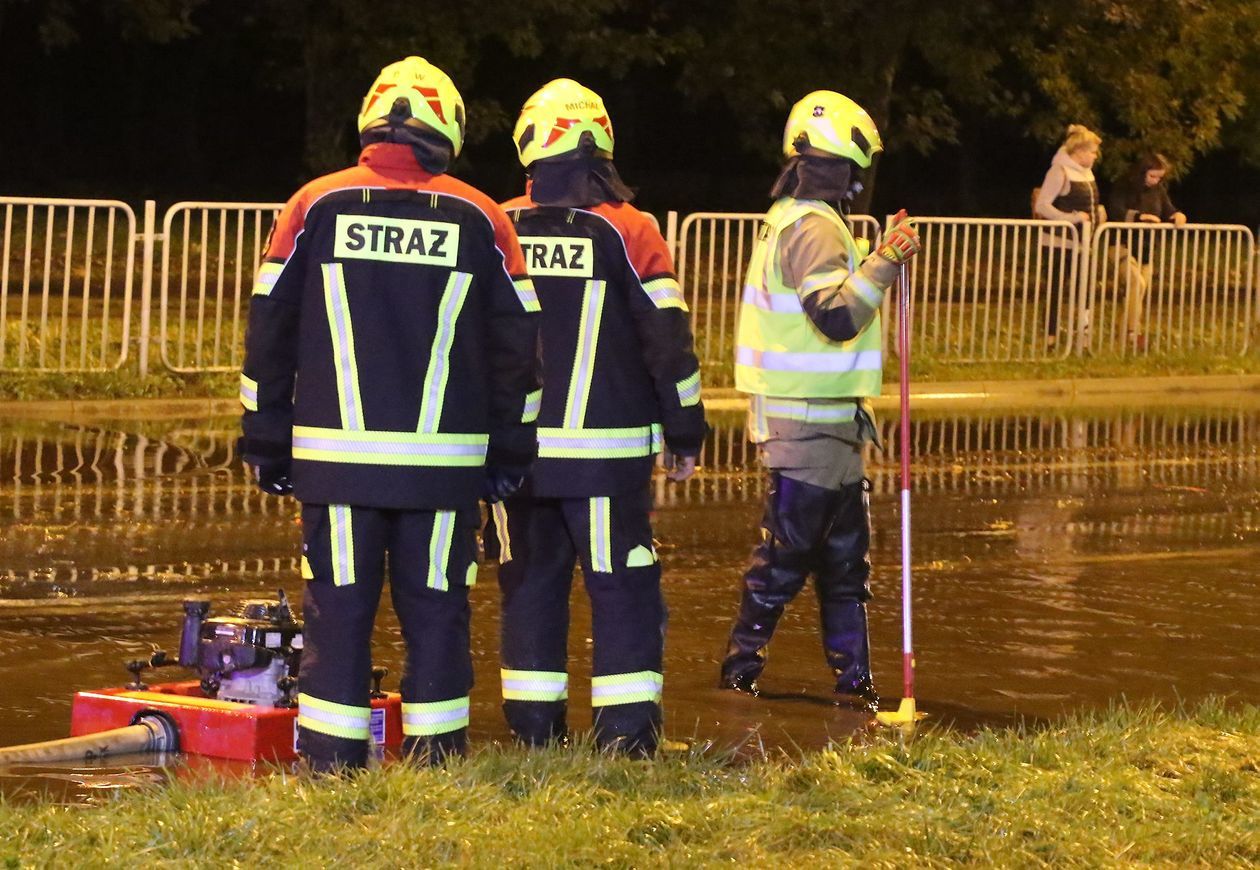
(1062, 559)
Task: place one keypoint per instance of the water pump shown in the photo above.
(251, 656)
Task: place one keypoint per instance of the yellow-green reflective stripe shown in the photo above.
(533, 404)
(665, 293)
(439, 370)
(369, 447)
(266, 279)
(337, 720)
(626, 688)
(440, 549)
(628, 443)
(249, 393)
(337, 305)
(341, 530)
(534, 685)
(584, 361)
(525, 292)
(601, 534)
(689, 390)
(499, 511)
(866, 289)
(436, 717)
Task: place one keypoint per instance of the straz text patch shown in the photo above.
(558, 256)
(396, 240)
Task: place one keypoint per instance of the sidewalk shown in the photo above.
(953, 395)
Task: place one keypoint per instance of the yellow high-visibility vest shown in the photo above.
(779, 351)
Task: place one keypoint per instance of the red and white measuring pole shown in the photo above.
(906, 713)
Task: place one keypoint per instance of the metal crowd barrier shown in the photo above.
(210, 254)
(65, 284)
(1157, 288)
(987, 290)
(984, 290)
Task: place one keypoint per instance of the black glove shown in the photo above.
(502, 482)
(273, 477)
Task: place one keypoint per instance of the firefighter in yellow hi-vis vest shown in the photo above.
(808, 351)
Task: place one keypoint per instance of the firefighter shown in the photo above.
(390, 381)
(809, 354)
(619, 376)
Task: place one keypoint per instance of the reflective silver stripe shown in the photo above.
(337, 720)
(534, 685)
(823, 280)
(268, 275)
(809, 412)
(338, 308)
(633, 688)
(866, 290)
(526, 293)
(584, 361)
(436, 717)
(341, 530)
(689, 390)
(665, 293)
(533, 404)
(824, 361)
(249, 393)
(628, 443)
(440, 549)
(439, 370)
(499, 511)
(783, 303)
(601, 535)
(389, 448)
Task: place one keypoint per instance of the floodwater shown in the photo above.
(1062, 560)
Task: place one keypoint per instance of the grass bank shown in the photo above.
(1129, 785)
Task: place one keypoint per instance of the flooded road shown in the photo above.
(1062, 561)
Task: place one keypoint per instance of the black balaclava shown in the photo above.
(836, 180)
(579, 180)
(433, 151)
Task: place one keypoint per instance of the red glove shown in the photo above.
(901, 242)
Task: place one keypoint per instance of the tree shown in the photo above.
(1169, 76)
(343, 44)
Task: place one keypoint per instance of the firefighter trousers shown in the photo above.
(432, 559)
(807, 530)
(537, 541)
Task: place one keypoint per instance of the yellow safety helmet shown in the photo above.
(431, 95)
(557, 117)
(832, 123)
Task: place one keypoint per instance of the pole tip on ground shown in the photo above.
(905, 716)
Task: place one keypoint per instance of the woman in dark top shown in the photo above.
(1142, 197)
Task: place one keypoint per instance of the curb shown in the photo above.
(1166, 390)
(1061, 392)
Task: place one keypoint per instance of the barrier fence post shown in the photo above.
(671, 235)
(146, 281)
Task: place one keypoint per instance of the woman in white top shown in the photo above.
(1068, 193)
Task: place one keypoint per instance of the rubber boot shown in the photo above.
(848, 651)
(537, 723)
(434, 750)
(843, 588)
(792, 528)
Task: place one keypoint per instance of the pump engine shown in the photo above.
(251, 656)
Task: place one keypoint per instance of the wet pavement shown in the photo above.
(1062, 561)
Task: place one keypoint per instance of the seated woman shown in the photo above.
(1142, 197)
